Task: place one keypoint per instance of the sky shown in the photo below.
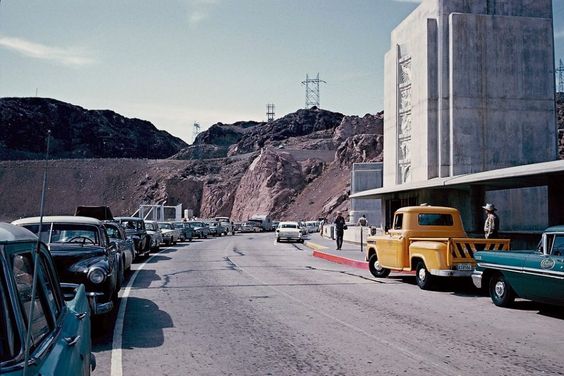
(176, 62)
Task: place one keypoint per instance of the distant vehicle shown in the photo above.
(201, 229)
(228, 227)
(136, 231)
(250, 226)
(82, 253)
(312, 226)
(125, 247)
(186, 232)
(263, 221)
(60, 331)
(155, 233)
(170, 233)
(289, 231)
(303, 227)
(222, 219)
(275, 224)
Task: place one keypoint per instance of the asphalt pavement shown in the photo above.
(246, 305)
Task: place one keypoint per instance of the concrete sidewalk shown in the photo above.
(325, 248)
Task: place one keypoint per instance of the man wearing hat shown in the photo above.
(339, 229)
(491, 226)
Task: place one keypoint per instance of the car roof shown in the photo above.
(12, 233)
(128, 218)
(58, 219)
(559, 228)
(289, 223)
(428, 209)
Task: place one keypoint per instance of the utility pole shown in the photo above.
(312, 91)
(195, 133)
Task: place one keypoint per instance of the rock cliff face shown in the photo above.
(77, 133)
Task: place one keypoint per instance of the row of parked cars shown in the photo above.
(57, 282)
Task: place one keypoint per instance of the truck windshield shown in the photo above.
(427, 219)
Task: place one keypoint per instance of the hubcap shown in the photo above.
(422, 274)
(377, 265)
(500, 288)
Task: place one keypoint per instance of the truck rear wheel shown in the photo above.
(500, 291)
(423, 278)
(376, 269)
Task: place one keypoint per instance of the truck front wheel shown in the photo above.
(423, 277)
(500, 291)
(376, 269)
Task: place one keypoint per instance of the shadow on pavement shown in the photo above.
(145, 321)
(157, 258)
(145, 277)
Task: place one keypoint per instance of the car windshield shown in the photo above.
(289, 225)
(132, 225)
(197, 224)
(113, 232)
(66, 233)
(165, 225)
(151, 226)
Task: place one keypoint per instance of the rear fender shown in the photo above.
(432, 253)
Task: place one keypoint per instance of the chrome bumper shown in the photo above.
(451, 273)
(96, 307)
(477, 279)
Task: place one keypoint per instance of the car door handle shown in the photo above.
(71, 341)
(81, 315)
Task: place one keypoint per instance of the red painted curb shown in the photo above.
(340, 260)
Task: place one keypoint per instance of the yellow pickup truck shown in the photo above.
(429, 240)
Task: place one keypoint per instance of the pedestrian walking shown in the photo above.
(491, 226)
(339, 229)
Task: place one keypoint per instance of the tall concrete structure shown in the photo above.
(469, 87)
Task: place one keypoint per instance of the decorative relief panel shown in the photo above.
(404, 120)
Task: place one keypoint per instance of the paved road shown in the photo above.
(244, 305)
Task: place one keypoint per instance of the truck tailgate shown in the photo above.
(463, 249)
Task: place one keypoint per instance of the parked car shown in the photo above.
(186, 232)
(154, 231)
(83, 254)
(201, 229)
(171, 234)
(250, 227)
(312, 226)
(530, 274)
(289, 231)
(136, 231)
(61, 338)
(125, 246)
(228, 227)
(216, 229)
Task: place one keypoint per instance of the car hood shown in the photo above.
(72, 258)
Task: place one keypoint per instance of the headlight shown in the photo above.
(96, 275)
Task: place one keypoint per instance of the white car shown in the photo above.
(289, 231)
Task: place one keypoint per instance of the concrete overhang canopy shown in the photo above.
(531, 175)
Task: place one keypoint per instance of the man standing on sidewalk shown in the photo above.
(339, 229)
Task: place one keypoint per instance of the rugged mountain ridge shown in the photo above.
(77, 132)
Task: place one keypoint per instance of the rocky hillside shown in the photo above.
(77, 132)
(232, 170)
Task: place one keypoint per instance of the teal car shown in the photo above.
(58, 333)
(536, 275)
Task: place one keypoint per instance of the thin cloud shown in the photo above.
(408, 1)
(559, 34)
(199, 10)
(60, 55)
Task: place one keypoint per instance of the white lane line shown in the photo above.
(116, 356)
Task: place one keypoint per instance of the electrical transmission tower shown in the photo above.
(270, 112)
(312, 91)
(195, 133)
(560, 71)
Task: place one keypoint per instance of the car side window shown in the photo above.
(398, 221)
(49, 281)
(22, 266)
(10, 342)
(558, 246)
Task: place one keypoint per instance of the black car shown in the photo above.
(83, 254)
(136, 231)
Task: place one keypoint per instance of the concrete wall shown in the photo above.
(475, 79)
